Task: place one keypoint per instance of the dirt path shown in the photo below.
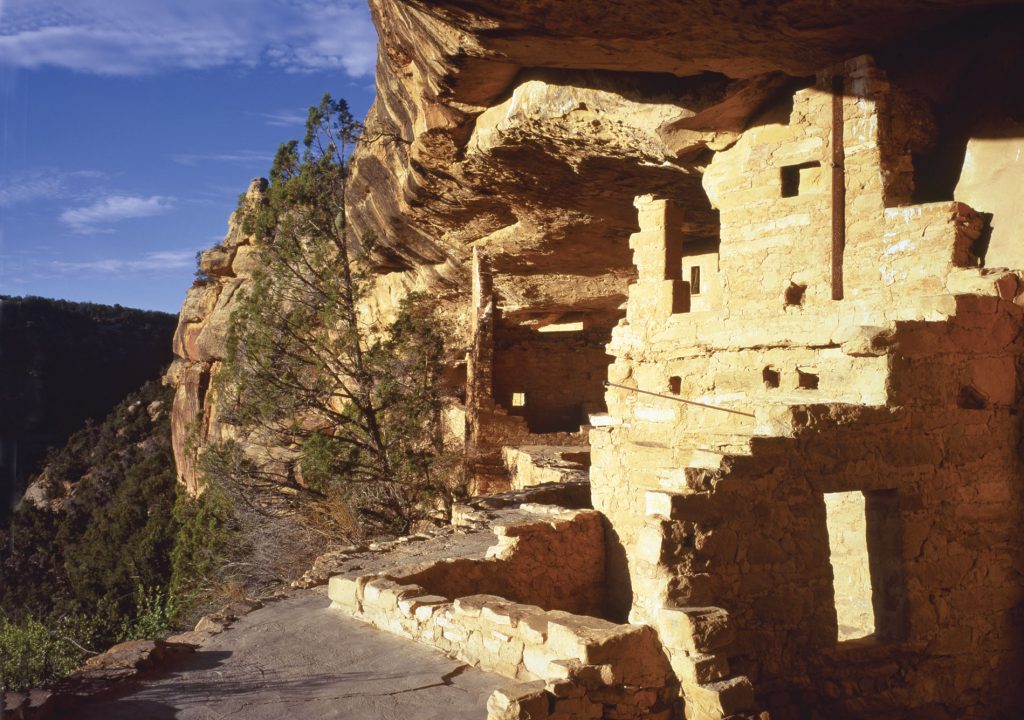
(296, 658)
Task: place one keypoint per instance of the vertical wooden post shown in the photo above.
(479, 365)
(838, 188)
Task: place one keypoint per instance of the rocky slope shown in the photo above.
(63, 362)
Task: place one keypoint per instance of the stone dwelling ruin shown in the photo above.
(755, 271)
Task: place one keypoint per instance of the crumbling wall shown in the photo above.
(557, 564)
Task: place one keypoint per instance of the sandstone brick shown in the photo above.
(699, 667)
(720, 699)
(525, 701)
(381, 592)
(536, 660)
(343, 592)
(411, 605)
(696, 630)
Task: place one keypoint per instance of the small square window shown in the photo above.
(795, 178)
(806, 380)
(518, 399)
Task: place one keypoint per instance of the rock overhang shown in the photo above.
(452, 74)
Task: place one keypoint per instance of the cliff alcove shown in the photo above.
(786, 235)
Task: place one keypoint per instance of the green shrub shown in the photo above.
(156, 610)
(204, 533)
(34, 654)
(105, 565)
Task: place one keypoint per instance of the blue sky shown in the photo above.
(129, 127)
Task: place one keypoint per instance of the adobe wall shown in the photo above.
(861, 349)
(560, 375)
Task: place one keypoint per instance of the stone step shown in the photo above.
(643, 454)
(696, 507)
(705, 459)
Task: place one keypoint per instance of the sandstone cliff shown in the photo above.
(200, 343)
(675, 185)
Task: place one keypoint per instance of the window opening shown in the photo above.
(806, 380)
(867, 570)
(795, 295)
(518, 399)
(695, 280)
(970, 399)
(793, 176)
(846, 519)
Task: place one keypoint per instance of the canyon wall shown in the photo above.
(62, 363)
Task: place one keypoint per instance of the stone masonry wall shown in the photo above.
(560, 374)
(570, 666)
(859, 349)
(557, 563)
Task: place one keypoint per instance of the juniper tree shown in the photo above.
(336, 402)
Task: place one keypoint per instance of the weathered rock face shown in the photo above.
(728, 203)
(200, 345)
(505, 104)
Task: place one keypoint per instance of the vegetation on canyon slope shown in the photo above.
(341, 423)
(332, 406)
(108, 548)
(47, 348)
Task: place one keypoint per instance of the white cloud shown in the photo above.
(151, 262)
(40, 184)
(285, 118)
(137, 37)
(114, 208)
(243, 157)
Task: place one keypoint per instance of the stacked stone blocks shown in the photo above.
(571, 666)
(885, 391)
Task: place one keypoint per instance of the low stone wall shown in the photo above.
(569, 666)
(557, 563)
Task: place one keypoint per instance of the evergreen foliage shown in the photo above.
(63, 362)
(115, 552)
(333, 404)
(115, 486)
